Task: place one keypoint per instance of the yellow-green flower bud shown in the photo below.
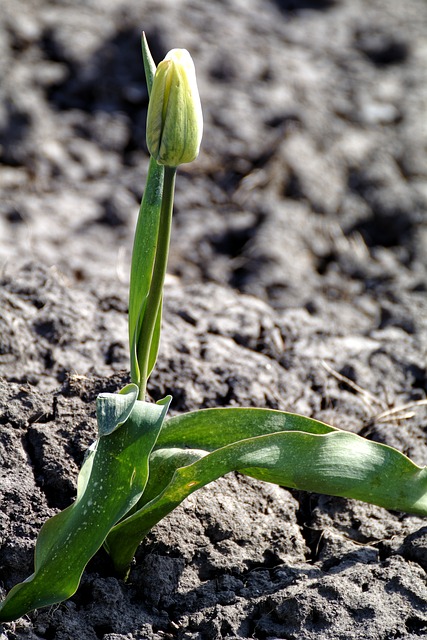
(174, 119)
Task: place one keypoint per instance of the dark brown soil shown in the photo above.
(297, 281)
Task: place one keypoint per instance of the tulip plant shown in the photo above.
(143, 465)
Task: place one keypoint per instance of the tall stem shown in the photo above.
(154, 299)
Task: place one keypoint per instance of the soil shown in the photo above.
(297, 280)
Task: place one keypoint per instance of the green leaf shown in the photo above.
(113, 409)
(200, 432)
(306, 455)
(155, 340)
(213, 428)
(145, 246)
(143, 257)
(149, 64)
(110, 483)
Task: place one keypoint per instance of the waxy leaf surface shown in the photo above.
(278, 447)
(111, 481)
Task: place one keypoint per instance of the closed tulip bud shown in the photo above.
(174, 119)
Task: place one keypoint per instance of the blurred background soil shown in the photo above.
(297, 280)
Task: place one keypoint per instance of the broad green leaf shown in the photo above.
(110, 483)
(213, 428)
(208, 429)
(324, 460)
(201, 431)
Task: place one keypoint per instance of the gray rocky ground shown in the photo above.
(297, 280)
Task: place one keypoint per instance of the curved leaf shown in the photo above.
(209, 429)
(331, 462)
(213, 428)
(113, 409)
(111, 481)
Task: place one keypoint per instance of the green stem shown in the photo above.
(154, 299)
